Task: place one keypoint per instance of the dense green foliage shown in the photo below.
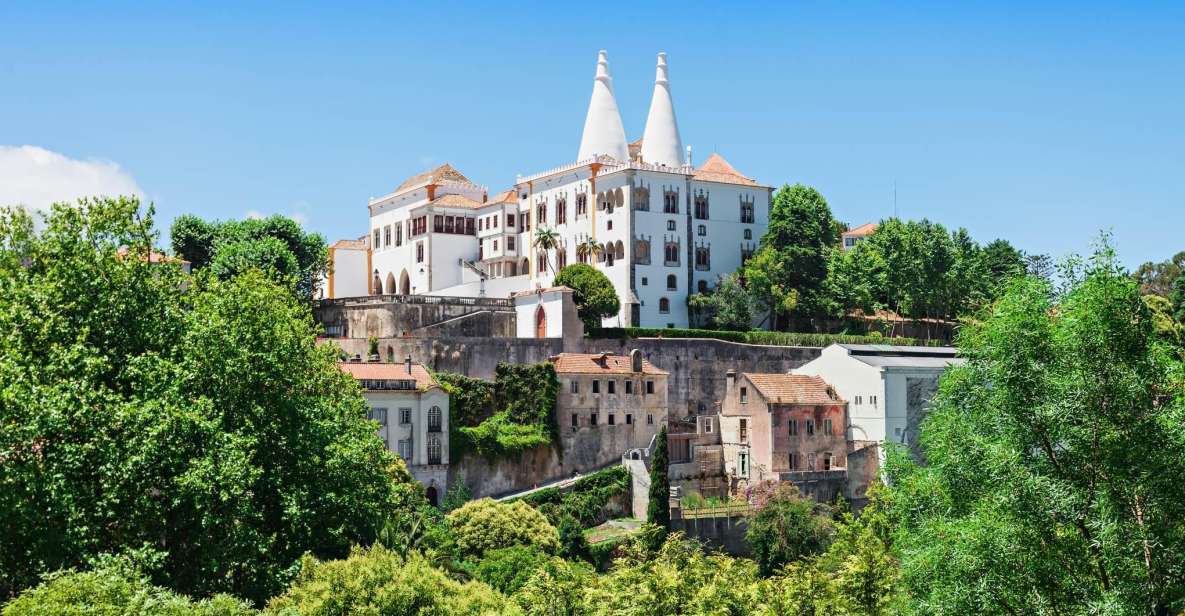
(585, 500)
(1157, 278)
(485, 524)
(727, 306)
(508, 569)
(787, 273)
(276, 245)
(496, 420)
(658, 511)
(192, 415)
(380, 581)
(754, 337)
(115, 588)
(594, 295)
(1052, 482)
(787, 528)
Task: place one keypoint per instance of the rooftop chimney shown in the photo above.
(603, 130)
(409, 364)
(730, 381)
(661, 144)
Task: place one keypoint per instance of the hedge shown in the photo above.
(585, 500)
(755, 337)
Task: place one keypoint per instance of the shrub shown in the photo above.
(115, 587)
(486, 524)
(497, 420)
(507, 569)
(585, 500)
(755, 337)
(379, 581)
(787, 528)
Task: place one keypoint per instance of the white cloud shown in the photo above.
(36, 177)
(298, 211)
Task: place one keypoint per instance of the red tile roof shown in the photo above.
(456, 201)
(506, 196)
(590, 363)
(794, 389)
(349, 245)
(716, 169)
(375, 371)
(861, 231)
(443, 172)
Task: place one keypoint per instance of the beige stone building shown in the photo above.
(412, 411)
(608, 404)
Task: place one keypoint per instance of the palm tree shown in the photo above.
(588, 250)
(547, 239)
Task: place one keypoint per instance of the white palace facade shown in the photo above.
(662, 228)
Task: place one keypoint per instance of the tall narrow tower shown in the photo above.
(603, 131)
(660, 141)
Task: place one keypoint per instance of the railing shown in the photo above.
(362, 300)
(731, 510)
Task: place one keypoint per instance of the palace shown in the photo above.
(659, 227)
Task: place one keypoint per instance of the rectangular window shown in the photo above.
(827, 461)
(379, 415)
(670, 225)
(744, 430)
(495, 245)
(405, 449)
(510, 242)
(419, 252)
(793, 427)
(744, 395)
(612, 386)
(649, 420)
(810, 461)
(592, 419)
(398, 234)
(810, 427)
(386, 236)
(707, 425)
(438, 223)
(575, 420)
(649, 387)
(376, 240)
(404, 416)
(794, 460)
(629, 387)
(612, 419)
(859, 400)
(510, 220)
(743, 464)
(629, 419)
(827, 427)
(575, 387)
(872, 400)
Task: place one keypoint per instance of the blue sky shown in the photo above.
(1040, 124)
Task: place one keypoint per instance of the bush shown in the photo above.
(594, 295)
(113, 588)
(755, 336)
(499, 420)
(787, 528)
(507, 569)
(573, 544)
(485, 524)
(379, 581)
(585, 500)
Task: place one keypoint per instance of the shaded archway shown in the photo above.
(390, 284)
(524, 266)
(540, 323)
(378, 284)
(404, 283)
(619, 249)
(432, 495)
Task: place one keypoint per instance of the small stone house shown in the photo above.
(607, 405)
(412, 412)
(781, 427)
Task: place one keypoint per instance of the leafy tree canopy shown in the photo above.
(796, 246)
(485, 524)
(1053, 470)
(593, 294)
(276, 245)
(729, 306)
(658, 510)
(193, 415)
(787, 528)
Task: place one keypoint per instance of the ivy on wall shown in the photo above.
(498, 420)
(585, 500)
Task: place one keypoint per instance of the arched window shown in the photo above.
(540, 323)
(404, 283)
(702, 286)
(664, 305)
(434, 419)
(434, 450)
(432, 496)
(619, 249)
(390, 284)
(561, 258)
(672, 282)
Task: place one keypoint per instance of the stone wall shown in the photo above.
(393, 316)
(724, 533)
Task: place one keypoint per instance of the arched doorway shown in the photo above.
(524, 266)
(404, 283)
(378, 285)
(390, 286)
(540, 323)
(431, 494)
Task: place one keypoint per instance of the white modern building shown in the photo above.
(412, 412)
(888, 388)
(659, 227)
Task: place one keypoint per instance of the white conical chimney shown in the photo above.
(603, 132)
(660, 141)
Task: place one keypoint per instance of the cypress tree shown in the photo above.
(658, 512)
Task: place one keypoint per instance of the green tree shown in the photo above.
(1003, 261)
(508, 569)
(1053, 465)
(194, 415)
(276, 245)
(594, 295)
(855, 281)
(379, 581)
(1158, 278)
(658, 511)
(1177, 297)
(729, 306)
(545, 240)
(787, 528)
(797, 245)
(485, 524)
(573, 543)
(115, 587)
